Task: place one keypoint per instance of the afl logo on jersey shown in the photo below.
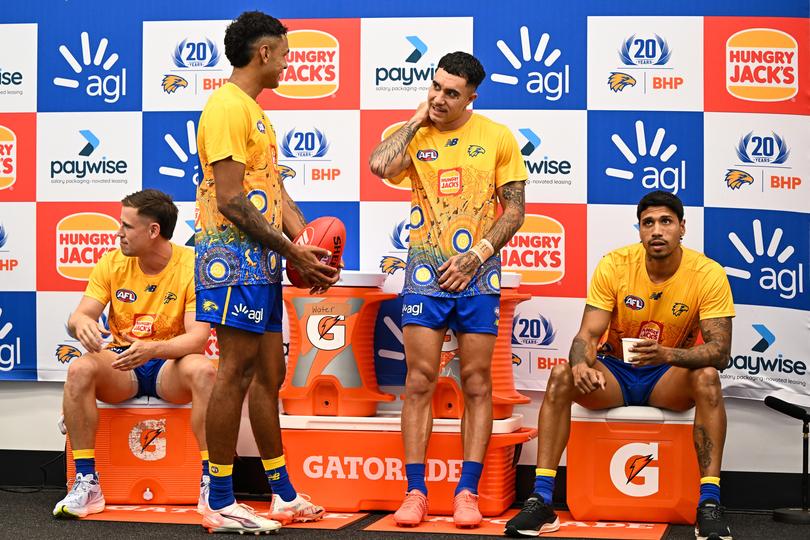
(125, 295)
(427, 155)
(633, 302)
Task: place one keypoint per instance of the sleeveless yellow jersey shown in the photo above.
(453, 202)
(233, 125)
(148, 307)
(668, 312)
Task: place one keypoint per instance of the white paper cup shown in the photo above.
(628, 342)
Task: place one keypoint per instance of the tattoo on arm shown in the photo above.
(392, 148)
(584, 350)
(703, 447)
(714, 352)
(245, 216)
(513, 202)
(468, 263)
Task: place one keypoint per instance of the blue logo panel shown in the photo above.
(91, 66)
(18, 330)
(765, 254)
(389, 350)
(170, 159)
(536, 63)
(349, 214)
(633, 153)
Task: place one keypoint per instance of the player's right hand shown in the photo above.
(307, 260)
(90, 334)
(422, 114)
(587, 379)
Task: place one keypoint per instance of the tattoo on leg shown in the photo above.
(703, 447)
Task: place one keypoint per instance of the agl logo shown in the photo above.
(545, 78)
(110, 84)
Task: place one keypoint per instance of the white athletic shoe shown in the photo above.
(297, 510)
(237, 518)
(85, 497)
(205, 483)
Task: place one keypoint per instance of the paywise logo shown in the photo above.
(409, 74)
(546, 78)
(110, 84)
(672, 178)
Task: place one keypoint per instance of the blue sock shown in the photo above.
(220, 492)
(416, 476)
(709, 489)
(470, 475)
(544, 483)
(276, 471)
(85, 461)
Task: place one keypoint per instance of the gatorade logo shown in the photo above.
(762, 64)
(537, 251)
(313, 65)
(631, 471)
(81, 240)
(8, 157)
(405, 185)
(326, 326)
(147, 439)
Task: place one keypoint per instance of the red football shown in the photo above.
(326, 232)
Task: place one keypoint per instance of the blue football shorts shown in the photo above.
(478, 314)
(255, 308)
(636, 382)
(146, 375)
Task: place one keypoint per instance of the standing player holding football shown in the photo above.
(243, 208)
(460, 165)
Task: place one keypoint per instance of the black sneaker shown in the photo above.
(535, 518)
(710, 523)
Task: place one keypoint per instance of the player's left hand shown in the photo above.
(323, 288)
(457, 271)
(651, 353)
(138, 353)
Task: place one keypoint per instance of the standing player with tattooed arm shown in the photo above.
(457, 162)
(664, 293)
(243, 208)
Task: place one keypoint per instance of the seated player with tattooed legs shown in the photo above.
(157, 343)
(664, 293)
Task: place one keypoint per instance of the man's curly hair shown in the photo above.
(242, 33)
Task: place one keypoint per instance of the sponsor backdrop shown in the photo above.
(607, 102)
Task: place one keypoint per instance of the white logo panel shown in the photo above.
(183, 62)
(85, 157)
(317, 154)
(645, 63)
(611, 226)
(553, 145)
(756, 161)
(398, 57)
(18, 67)
(18, 254)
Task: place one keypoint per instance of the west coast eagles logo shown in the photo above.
(678, 309)
(172, 82)
(285, 172)
(619, 81)
(390, 264)
(475, 150)
(736, 178)
(209, 306)
(66, 353)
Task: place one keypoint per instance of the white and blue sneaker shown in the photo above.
(85, 497)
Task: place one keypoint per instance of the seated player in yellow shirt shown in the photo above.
(663, 293)
(156, 346)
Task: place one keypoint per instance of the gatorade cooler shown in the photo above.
(145, 453)
(330, 370)
(632, 464)
(354, 464)
(448, 399)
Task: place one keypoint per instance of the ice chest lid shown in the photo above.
(352, 278)
(387, 421)
(644, 415)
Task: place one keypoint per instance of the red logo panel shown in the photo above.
(374, 127)
(323, 67)
(71, 238)
(754, 65)
(18, 147)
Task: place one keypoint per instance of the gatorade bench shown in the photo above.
(632, 464)
(145, 453)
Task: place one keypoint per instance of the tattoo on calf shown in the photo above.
(703, 447)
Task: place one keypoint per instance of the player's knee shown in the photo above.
(81, 373)
(560, 378)
(476, 383)
(706, 384)
(419, 381)
(203, 378)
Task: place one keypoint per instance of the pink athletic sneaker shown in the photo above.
(413, 510)
(465, 509)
